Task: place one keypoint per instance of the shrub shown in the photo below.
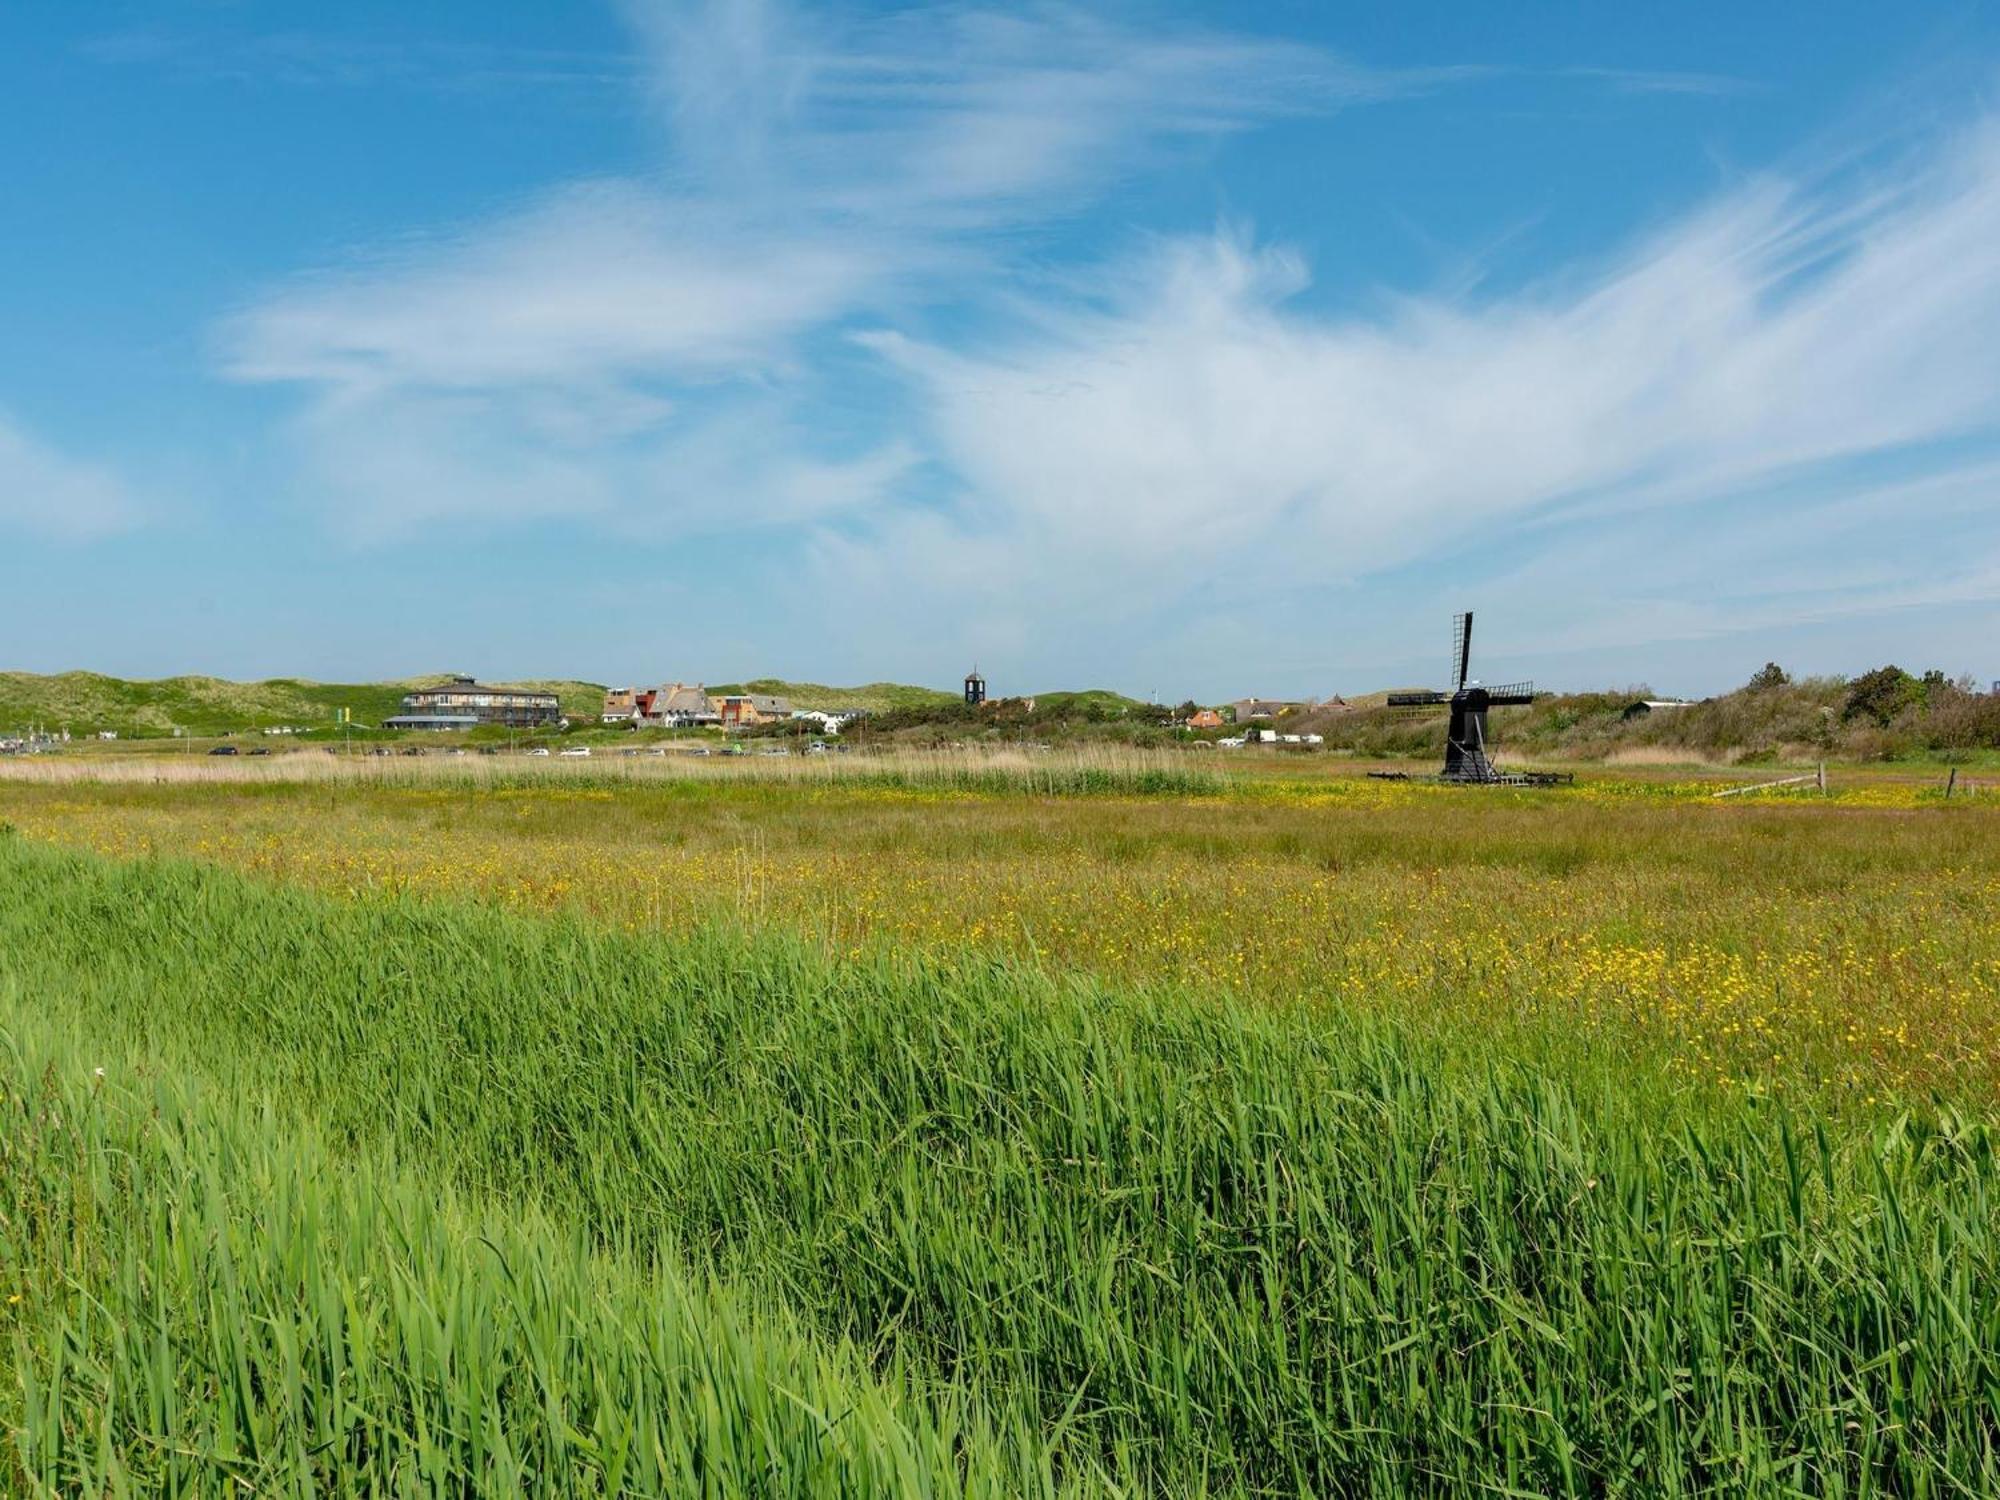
(1881, 695)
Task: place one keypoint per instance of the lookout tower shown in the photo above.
(975, 688)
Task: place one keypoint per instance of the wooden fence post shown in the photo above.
(1950, 782)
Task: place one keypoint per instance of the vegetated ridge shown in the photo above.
(1881, 714)
(874, 697)
(85, 702)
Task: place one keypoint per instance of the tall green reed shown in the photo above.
(1194, 1245)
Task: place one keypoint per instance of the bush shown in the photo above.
(1882, 695)
(1963, 721)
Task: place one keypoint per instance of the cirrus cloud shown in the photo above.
(818, 174)
(678, 353)
(1193, 423)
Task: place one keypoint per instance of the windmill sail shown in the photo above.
(1461, 648)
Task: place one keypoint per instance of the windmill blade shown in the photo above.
(1461, 648)
(1417, 700)
(1511, 695)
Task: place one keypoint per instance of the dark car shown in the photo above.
(258, 750)
(224, 750)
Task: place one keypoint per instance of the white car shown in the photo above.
(1233, 743)
(539, 750)
(573, 750)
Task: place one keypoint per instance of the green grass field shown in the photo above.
(589, 1137)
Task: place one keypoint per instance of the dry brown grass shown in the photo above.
(1659, 755)
(1049, 770)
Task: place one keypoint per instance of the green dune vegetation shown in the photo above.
(874, 697)
(87, 702)
(1884, 714)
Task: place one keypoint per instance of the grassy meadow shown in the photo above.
(1122, 1126)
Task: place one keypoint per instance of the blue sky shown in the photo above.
(1178, 349)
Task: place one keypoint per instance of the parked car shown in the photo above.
(573, 750)
(258, 750)
(224, 750)
(538, 750)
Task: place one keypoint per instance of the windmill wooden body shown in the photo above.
(1465, 751)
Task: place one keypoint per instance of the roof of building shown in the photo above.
(471, 685)
(679, 698)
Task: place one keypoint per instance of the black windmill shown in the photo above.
(1465, 757)
(975, 688)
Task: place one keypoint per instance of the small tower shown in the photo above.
(975, 688)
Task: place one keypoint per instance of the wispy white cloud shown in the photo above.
(817, 172)
(1195, 425)
(955, 115)
(52, 494)
(657, 355)
(1852, 549)
(383, 467)
(604, 282)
